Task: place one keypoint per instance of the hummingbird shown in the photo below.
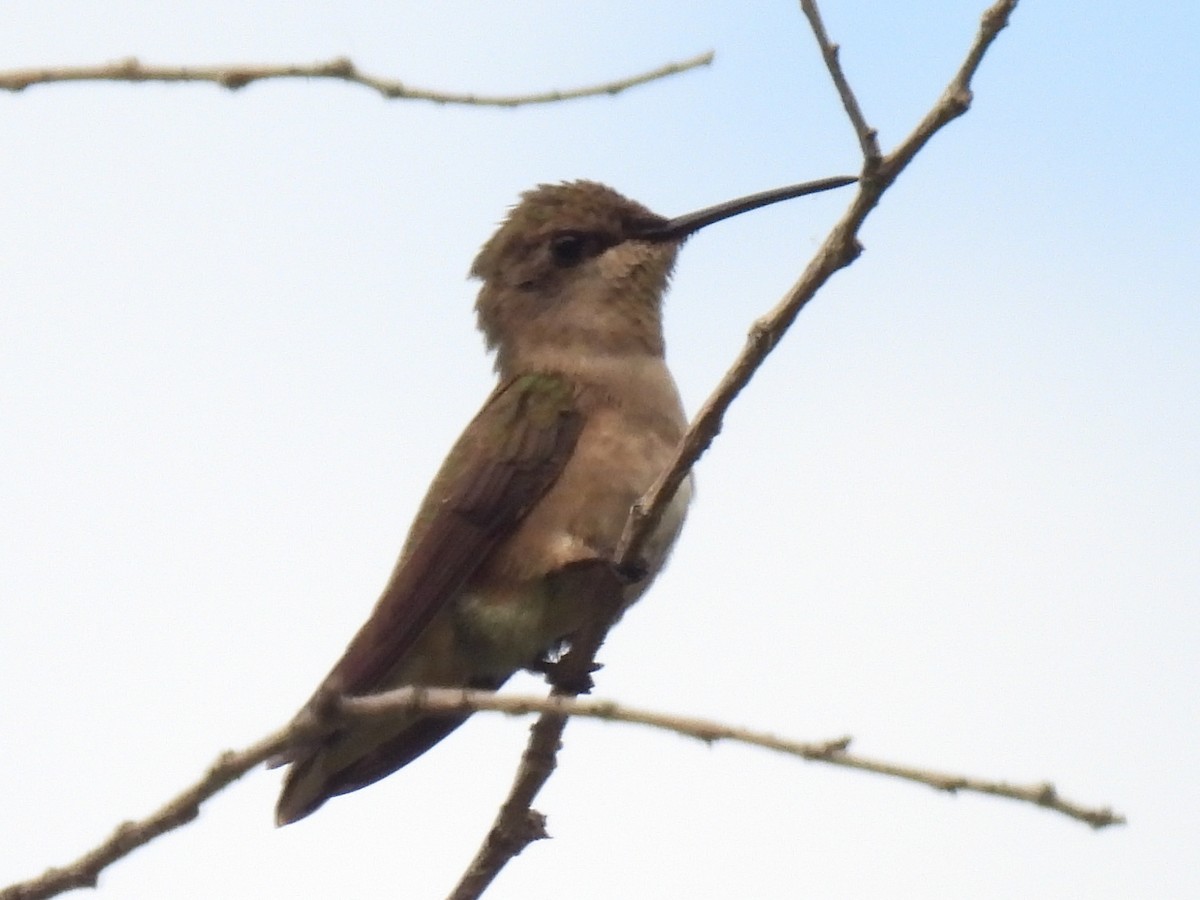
(584, 417)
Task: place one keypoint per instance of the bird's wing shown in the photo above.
(508, 457)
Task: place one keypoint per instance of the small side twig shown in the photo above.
(868, 138)
(235, 76)
(957, 96)
(840, 248)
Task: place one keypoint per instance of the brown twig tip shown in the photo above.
(995, 17)
(234, 77)
(867, 136)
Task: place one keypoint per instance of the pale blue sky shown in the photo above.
(956, 515)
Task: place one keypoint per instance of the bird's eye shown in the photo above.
(568, 248)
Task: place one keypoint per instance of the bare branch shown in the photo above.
(529, 826)
(518, 824)
(238, 76)
(176, 812)
(867, 136)
(448, 701)
(840, 248)
(956, 98)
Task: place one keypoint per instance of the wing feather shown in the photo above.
(505, 461)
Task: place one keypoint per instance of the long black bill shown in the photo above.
(681, 226)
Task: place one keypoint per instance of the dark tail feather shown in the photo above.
(306, 787)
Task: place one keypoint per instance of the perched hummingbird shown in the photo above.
(584, 418)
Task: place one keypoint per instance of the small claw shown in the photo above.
(633, 571)
(574, 683)
(564, 676)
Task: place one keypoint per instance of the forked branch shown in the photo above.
(839, 249)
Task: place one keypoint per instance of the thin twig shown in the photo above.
(342, 69)
(839, 249)
(868, 138)
(452, 701)
(956, 98)
(176, 812)
(518, 824)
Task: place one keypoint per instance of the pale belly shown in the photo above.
(510, 624)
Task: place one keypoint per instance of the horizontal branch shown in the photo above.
(341, 69)
(233, 764)
(446, 701)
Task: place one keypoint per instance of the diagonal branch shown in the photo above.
(840, 248)
(868, 139)
(957, 96)
(518, 824)
(342, 69)
(175, 813)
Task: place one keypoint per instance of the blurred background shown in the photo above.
(955, 516)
